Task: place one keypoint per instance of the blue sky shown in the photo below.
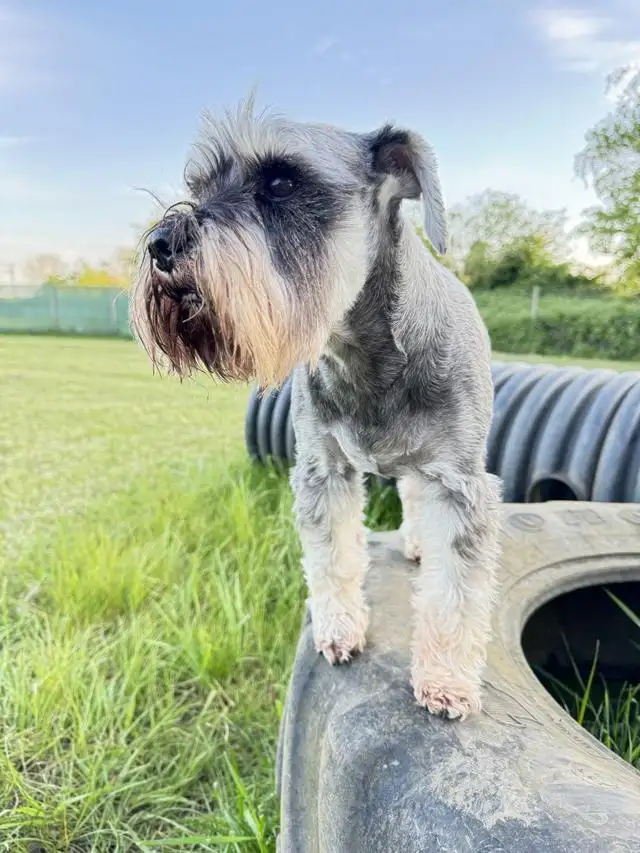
(97, 99)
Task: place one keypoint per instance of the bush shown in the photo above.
(522, 264)
(581, 327)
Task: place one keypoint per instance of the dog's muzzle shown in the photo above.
(170, 242)
(169, 246)
(176, 315)
(161, 249)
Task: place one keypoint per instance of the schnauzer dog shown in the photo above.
(294, 254)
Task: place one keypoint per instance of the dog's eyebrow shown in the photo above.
(278, 160)
(210, 164)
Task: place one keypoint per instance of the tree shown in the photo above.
(103, 275)
(496, 220)
(117, 271)
(523, 264)
(122, 264)
(610, 162)
(46, 269)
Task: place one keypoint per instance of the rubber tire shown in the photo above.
(362, 769)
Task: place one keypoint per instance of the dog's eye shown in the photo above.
(280, 186)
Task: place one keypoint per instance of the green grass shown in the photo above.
(82, 418)
(569, 361)
(150, 601)
(149, 608)
(144, 654)
(609, 710)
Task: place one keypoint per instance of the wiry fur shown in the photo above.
(391, 365)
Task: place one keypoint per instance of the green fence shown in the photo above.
(64, 310)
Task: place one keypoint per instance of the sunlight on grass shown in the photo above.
(145, 655)
(80, 419)
(149, 617)
(125, 700)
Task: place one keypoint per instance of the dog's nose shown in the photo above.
(161, 247)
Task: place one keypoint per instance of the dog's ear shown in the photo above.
(405, 157)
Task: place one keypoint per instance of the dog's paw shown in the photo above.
(412, 549)
(451, 699)
(339, 634)
(410, 542)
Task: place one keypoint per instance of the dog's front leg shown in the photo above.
(329, 502)
(410, 493)
(458, 540)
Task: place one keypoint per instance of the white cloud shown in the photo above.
(323, 45)
(568, 26)
(358, 59)
(584, 42)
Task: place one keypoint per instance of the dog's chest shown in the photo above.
(368, 427)
(387, 451)
(361, 453)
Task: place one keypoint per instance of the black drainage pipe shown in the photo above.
(558, 433)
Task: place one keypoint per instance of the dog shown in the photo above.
(294, 254)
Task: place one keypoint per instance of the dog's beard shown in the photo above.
(178, 329)
(227, 311)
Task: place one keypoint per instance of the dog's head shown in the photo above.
(251, 274)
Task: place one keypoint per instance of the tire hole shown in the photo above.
(551, 489)
(584, 648)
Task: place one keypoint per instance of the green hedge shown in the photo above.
(584, 328)
(576, 323)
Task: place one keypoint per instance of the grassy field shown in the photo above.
(150, 601)
(565, 361)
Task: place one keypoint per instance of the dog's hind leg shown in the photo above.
(329, 502)
(455, 589)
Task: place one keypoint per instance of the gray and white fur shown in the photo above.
(293, 253)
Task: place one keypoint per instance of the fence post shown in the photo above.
(113, 313)
(535, 301)
(55, 318)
